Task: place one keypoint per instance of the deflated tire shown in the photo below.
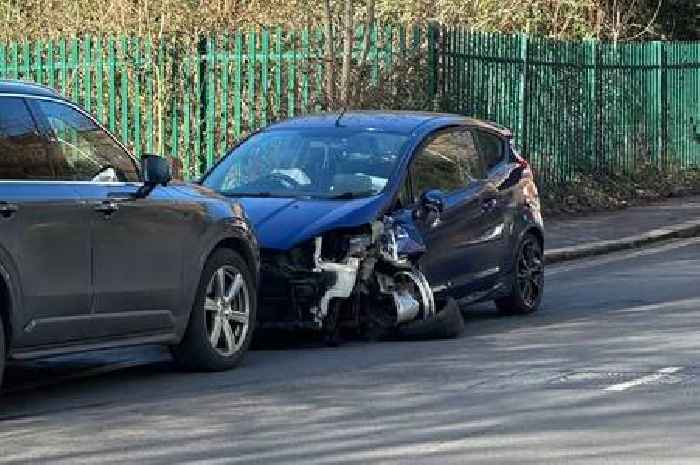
(448, 323)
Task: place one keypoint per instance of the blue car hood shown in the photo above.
(283, 223)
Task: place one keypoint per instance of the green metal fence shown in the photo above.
(581, 106)
(574, 106)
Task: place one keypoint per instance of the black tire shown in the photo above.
(195, 351)
(2, 351)
(528, 279)
(448, 323)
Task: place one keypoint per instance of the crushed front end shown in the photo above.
(366, 279)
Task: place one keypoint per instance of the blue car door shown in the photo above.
(447, 169)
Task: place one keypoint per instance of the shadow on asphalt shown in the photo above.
(119, 365)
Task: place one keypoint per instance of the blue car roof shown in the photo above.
(404, 122)
(8, 86)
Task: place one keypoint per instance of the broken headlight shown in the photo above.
(390, 239)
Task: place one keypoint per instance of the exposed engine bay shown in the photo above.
(366, 279)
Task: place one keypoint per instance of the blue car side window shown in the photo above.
(448, 162)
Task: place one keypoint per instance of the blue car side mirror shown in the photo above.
(433, 200)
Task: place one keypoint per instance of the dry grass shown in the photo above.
(553, 18)
(589, 192)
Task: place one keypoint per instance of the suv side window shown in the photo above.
(81, 150)
(491, 149)
(449, 162)
(22, 150)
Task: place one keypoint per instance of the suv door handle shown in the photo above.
(7, 209)
(489, 204)
(107, 207)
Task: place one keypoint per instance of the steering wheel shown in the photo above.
(284, 179)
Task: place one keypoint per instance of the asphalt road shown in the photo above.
(607, 373)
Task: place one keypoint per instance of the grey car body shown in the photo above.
(85, 264)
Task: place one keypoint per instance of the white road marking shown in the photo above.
(648, 379)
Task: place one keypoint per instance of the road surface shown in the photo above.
(606, 373)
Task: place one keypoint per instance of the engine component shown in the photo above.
(411, 294)
(345, 277)
(407, 307)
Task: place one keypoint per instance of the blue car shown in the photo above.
(376, 220)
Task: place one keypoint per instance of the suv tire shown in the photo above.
(222, 319)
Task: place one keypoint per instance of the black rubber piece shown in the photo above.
(2, 351)
(448, 323)
(194, 351)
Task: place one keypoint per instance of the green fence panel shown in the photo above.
(574, 107)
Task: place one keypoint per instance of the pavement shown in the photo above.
(600, 233)
(607, 372)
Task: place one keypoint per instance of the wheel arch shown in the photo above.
(241, 246)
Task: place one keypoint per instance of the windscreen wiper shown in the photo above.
(351, 195)
(247, 194)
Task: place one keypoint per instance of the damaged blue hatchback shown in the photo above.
(377, 220)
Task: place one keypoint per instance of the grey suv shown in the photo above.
(99, 252)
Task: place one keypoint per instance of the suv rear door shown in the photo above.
(44, 236)
(137, 243)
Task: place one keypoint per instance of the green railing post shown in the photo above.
(592, 109)
(3, 63)
(238, 87)
(111, 82)
(99, 79)
(432, 33)
(663, 104)
(136, 101)
(15, 61)
(264, 77)
(523, 92)
(64, 71)
(211, 102)
(252, 96)
(124, 91)
(225, 63)
(87, 73)
(148, 77)
(38, 61)
(201, 109)
(291, 75)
